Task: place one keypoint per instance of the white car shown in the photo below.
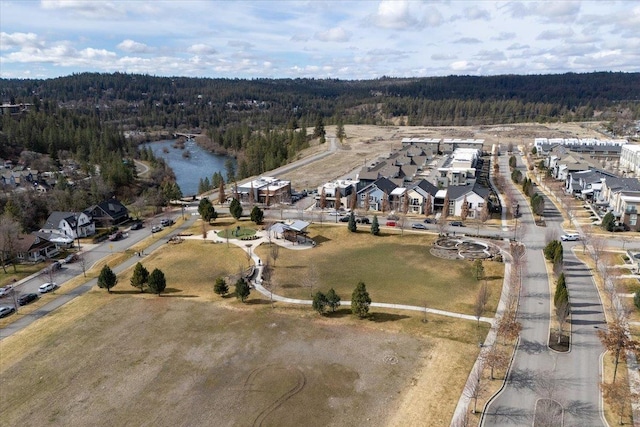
(569, 237)
(47, 287)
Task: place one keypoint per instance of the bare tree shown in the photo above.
(496, 359)
(274, 254)
(82, 259)
(267, 280)
(618, 396)
(427, 206)
(617, 342)
(548, 413)
(597, 247)
(9, 229)
(474, 386)
(311, 279)
(508, 326)
(481, 301)
(443, 225)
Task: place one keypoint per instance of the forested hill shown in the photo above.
(143, 100)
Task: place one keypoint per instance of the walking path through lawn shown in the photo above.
(250, 245)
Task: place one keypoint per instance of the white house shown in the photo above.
(71, 224)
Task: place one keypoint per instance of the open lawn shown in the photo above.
(193, 358)
(396, 269)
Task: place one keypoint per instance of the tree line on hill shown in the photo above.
(262, 122)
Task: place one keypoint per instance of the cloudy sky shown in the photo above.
(315, 38)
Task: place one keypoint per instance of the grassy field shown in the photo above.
(191, 357)
(397, 269)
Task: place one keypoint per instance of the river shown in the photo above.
(199, 163)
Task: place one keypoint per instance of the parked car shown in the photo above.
(115, 236)
(156, 229)
(363, 220)
(27, 298)
(456, 224)
(418, 226)
(166, 222)
(5, 291)
(344, 219)
(429, 221)
(334, 213)
(70, 258)
(136, 225)
(391, 224)
(47, 287)
(569, 237)
(393, 217)
(6, 310)
(55, 266)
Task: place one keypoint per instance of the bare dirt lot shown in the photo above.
(365, 143)
(146, 360)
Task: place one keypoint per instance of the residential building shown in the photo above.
(630, 160)
(108, 213)
(70, 224)
(266, 190)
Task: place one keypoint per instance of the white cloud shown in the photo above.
(393, 14)
(337, 34)
(559, 33)
(476, 12)
(255, 38)
(463, 66)
(240, 44)
(18, 40)
(490, 55)
(552, 11)
(201, 49)
(443, 57)
(504, 36)
(467, 40)
(87, 8)
(131, 46)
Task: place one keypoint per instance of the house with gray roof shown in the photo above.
(70, 224)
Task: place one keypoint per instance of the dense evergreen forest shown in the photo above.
(263, 122)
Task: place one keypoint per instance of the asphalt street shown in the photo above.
(92, 254)
(537, 372)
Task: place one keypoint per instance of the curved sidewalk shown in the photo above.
(249, 245)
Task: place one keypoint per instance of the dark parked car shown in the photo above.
(136, 225)
(456, 224)
(166, 222)
(27, 298)
(6, 310)
(344, 219)
(429, 221)
(363, 220)
(70, 258)
(55, 266)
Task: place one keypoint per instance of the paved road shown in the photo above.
(96, 253)
(538, 372)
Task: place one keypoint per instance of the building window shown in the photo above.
(633, 219)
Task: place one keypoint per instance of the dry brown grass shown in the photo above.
(396, 269)
(202, 351)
